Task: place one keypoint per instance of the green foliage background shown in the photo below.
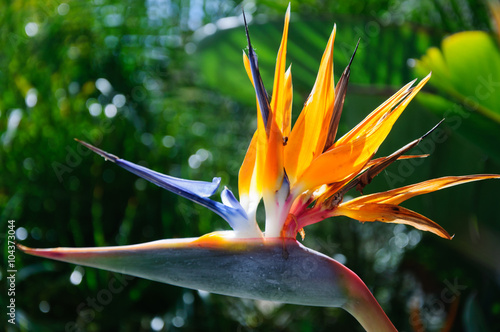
(173, 73)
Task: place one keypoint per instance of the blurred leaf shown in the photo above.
(468, 68)
(473, 317)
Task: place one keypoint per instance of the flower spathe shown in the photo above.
(301, 174)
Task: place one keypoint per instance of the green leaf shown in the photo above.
(468, 68)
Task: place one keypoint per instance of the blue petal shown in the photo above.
(228, 199)
(175, 185)
(196, 191)
(260, 91)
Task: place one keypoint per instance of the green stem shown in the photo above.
(364, 307)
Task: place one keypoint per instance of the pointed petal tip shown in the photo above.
(441, 232)
(246, 29)
(332, 35)
(432, 129)
(22, 248)
(34, 251)
(421, 83)
(48, 253)
(216, 182)
(353, 53)
(260, 90)
(102, 153)
(446, 235)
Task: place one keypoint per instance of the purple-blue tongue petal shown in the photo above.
(173, 184)
(229, 200)
(197, 191)
(260, 90)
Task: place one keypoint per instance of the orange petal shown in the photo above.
(271, 175)
(376, 115)
(247, 174)
(287, 106)
(350, 157)
(336, 191)
(410, 156)
(246, 63)
(391, 213)
(396, 196)
(383, 163)
(308, 135)
(336, 165)
(279, 96)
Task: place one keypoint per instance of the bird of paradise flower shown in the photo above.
(302, 175)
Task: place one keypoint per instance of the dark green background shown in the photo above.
(182, 83)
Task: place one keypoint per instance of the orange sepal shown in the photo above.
(371, 120)
(247, 169)
(343, 160)
(279, 97)
(308, 135)
(399, 195)
(286, 121)
(391, 213)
